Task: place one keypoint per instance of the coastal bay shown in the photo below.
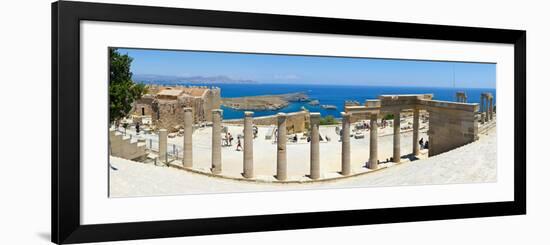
(319, 94)
(264, 102)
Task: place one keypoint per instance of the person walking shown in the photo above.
(239, 146)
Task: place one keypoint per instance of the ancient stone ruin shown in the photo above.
(461, 97)
(451, 125)
(165, 105)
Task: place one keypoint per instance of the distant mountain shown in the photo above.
(149, 78)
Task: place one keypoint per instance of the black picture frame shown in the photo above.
(65, 140)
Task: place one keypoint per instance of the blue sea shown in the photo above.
(333, 95)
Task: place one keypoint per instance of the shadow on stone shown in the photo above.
(411, 157)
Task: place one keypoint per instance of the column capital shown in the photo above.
(314, 117)
(187, 109)
(248, 113)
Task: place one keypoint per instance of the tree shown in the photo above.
(388, 117)
(328, 120)
(122, 90)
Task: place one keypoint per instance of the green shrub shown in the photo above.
(328, 120)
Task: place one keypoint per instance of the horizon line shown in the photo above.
(317, 84)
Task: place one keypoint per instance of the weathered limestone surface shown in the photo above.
(188, 137)
(165, 104)
(392, 103)
(163, 139)
(450, 128)
(124, 148)
(461, 97)
(452, 124)
(397, 137)
(373, 158)
(315, 165)
(416, 125)
(248, 157)
(346, 150)
(216, 141)
(281, 147)
(491, 108)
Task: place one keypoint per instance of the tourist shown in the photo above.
(226, 140)
(137, 128)
(421, 142)
(239, 146)
(426, 146)
(230, 139)
(295, 139)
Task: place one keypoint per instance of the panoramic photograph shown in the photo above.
(204, 122)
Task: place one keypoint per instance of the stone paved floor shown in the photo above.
(475, 162)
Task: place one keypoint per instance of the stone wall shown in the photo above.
(167, 112)
(143, 106)
(296, 122)
(451, 125)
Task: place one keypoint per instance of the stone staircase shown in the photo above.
(123, 147)
(485, 127)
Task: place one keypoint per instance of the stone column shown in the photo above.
(248, 145)
(397, 136)
(373, 155)
(315, 165)
(217, 141)
(491, 108)
(163, 142)
(416, 126)
(482, 108)
(486, 108)
(188, 137)
(281, 146)
(346, 119)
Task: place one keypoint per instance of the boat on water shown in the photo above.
(314, 102)
(329, 107)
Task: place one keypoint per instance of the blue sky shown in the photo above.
(267, 68)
